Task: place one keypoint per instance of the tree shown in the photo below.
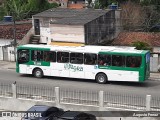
(141, 45)
(133, 16)
(20, 9)
(152, 8)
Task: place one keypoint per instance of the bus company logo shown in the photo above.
(73, 67)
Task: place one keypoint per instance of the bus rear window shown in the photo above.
(147, 57)
(133, 61)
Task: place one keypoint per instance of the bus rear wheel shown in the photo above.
(38, 73)
(101, 78)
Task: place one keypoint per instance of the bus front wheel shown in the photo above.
(101, 78)
(38, 73)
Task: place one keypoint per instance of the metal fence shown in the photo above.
(35, 92)
(82, 97)
(5, 90)
(79, 97)
(124, 101)
(155, 103)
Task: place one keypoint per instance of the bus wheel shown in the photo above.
(101, 78)
(38, 73)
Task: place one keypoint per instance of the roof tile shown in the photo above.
(126, 38)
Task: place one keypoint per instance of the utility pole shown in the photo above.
(14, 35)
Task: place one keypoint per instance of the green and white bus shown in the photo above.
(100, 63)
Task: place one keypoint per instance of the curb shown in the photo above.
(156, 79)
(11, 68)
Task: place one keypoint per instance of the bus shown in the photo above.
(99, 63)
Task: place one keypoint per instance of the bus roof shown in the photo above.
(86, 48)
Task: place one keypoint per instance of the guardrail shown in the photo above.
(80, 97)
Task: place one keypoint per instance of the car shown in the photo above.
(43, 112)
(76, 115)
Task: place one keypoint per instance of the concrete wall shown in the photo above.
(7, 53)
(1, 53)
(118, 22)
(12, 104)
(26, 38)
(67, 33)
(11, 54)
(45, 35)
(101, 30)
(23, 104)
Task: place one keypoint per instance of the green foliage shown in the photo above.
(49, 5)
(101, 4)
(141, 45)
(22, 8)
(112, 2)
(97, 5)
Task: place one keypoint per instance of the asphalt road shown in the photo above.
(150, 87)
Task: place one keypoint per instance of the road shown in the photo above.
(150, 87)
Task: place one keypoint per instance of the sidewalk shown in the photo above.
(7, 65)
(12, 65)
(155, 76)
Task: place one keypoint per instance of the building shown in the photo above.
(89, 26)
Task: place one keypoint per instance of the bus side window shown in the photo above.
(104, 59)
(76, 58)
(49, 56)
(62, 57)
(138, 61)
(90, 59)
(37, 55)
(46, 56)
(118, 60)
(133, 61)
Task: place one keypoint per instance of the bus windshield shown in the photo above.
(23, 56)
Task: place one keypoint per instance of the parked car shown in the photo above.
(76, 115)
(43, 112)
